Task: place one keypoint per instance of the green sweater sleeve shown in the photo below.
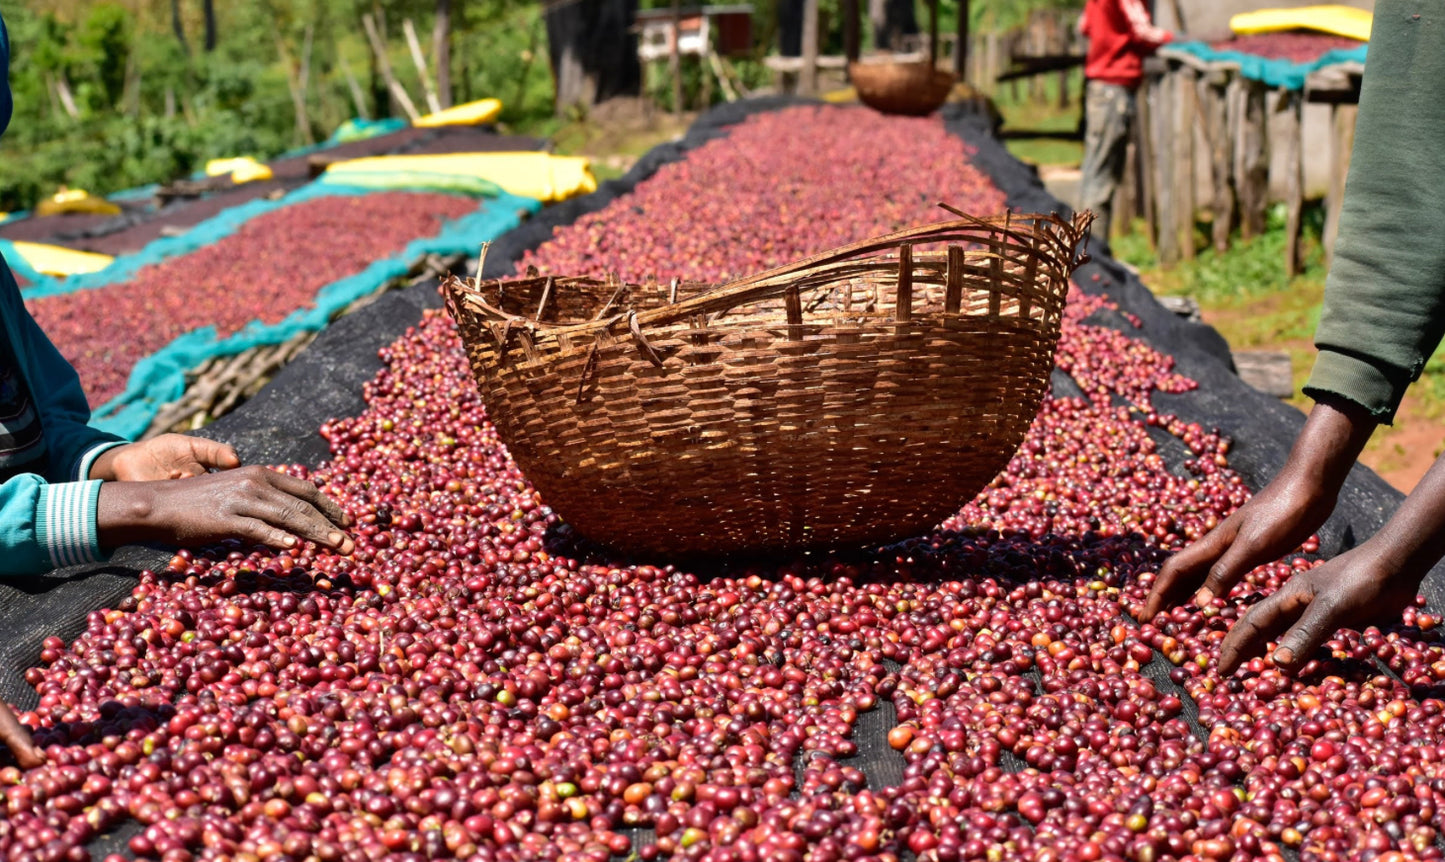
(1384, 308)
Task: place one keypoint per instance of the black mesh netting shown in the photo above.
(280, 424)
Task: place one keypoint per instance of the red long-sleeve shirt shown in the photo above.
(1120, 36)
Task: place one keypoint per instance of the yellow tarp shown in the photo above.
(58, 260)
(542, 176)
(470, 114)
(75, 201)
(242, 170)
(1334, 19)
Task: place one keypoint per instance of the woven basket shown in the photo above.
(859, 396)
(915, 89)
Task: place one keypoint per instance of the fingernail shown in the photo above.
(1283, 655)
(337, 538)
(1203, 597)
(290, 541)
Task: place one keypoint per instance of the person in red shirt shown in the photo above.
(1120, 35)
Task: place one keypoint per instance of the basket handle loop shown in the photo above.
(642, 346)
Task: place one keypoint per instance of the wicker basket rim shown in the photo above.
(1063, 241)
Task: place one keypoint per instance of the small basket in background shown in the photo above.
(915, 88)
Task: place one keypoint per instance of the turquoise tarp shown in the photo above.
(1286, 74)
(199, 236)
(161, 377)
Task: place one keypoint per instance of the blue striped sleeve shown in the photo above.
(65, 522)
(87, 459)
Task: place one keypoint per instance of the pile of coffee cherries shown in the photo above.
(477, 682)
(1300, 46)
(270, 268)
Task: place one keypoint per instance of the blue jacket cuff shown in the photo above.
(87, 460)
(65, 522)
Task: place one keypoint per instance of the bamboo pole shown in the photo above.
(378, 49)
(419, 60)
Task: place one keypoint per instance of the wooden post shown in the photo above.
(1251, 156)
(674, 58)
(1294, 200)
(1342, 143)
(1184, 170)
(808, 83)
(1221, 172)
(852, 37)
(1144, 148)
(1035, 45)
(1059, 44)
(704, 98)
(933, 34)
(960, 48)
(1164, 111)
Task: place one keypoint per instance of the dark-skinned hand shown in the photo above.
(1277, 520)
(1354, 590)
(169, 456)
(16, 738)
(250, 503)
(1368, 585)
(1274, 522)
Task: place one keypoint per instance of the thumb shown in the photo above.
(213, 454)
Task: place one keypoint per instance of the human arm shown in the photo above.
(1142, 31)
(1277, 519)
(251, 503)
(1384, 305)
(1369, 584)
(1384, 308)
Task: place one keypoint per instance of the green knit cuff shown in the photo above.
(1358, 381)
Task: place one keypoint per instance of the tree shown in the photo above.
(208, 8)
(592, 51)
(178, 26)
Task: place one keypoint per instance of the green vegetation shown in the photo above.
(1246, 295)
(113, 94)
(108, 97)
(1043, 130)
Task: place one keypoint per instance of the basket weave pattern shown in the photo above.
(862, 395)
(912, 89)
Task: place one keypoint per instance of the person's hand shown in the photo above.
(250, 503)
(169, 456)
(1354, 590)
(1274, 522)
(1278, 519)
(16, 738)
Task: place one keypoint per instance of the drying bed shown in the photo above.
(140, 225)
(475, 681)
